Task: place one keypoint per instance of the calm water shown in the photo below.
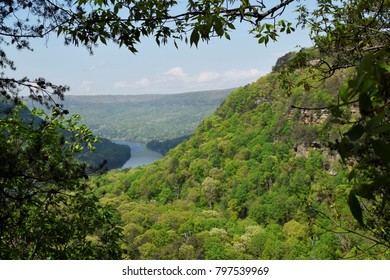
(140, 154)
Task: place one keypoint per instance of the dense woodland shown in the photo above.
(107, 155)
(293, 166)
(256, 181)
(164, 146)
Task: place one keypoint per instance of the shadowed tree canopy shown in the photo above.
(352, 39)
(47, 211)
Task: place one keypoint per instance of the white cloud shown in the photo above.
(206, 77)
(233, 75)
(143, 82)
(228, 76)
(238, 75)
(176, 80)
(176, 72)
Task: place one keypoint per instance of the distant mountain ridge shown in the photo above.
(145, 118)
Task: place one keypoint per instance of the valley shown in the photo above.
(153, 123)
(256, 180)
(144, 118)
(293, 166)
(252, 176)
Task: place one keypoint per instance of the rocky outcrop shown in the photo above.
(310, 116)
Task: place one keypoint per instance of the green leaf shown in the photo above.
(368, 190)
(103, 40)
(364, 103)
(344, 93)
(336, 112)
(99, 2)
(385, 66)
(231, 25)
(261, 40)
(344, 149)
(382, 150)
(266, 40)
(355, 133)
(380, 181)
(194, 38)
(355, 208)
(374, 122)
(381, 129)
(218, 27)
(329, 36)
(220, 32)
(365, 191)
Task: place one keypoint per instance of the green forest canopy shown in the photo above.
(255, 181)
(351, 36)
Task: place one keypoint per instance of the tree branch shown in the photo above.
(325, 107)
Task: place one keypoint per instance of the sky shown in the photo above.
(220, 64)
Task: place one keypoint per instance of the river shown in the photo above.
(140, 154)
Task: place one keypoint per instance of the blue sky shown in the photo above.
(155, 70)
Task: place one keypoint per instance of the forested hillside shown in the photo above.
(258, 180)
(293, 166)
(145, 118)
(107, 155)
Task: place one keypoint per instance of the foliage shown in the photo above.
(20, 21)
(200, 20)
(164, 146)
(354, 35)
(107, 155)
(47, 210)
(345, 32)
(244, 186)
(365, 146)
(218, 169)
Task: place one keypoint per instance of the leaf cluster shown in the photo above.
(126, 22)
(21, 21)
(47, 210)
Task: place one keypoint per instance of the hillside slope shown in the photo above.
(254, 182)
